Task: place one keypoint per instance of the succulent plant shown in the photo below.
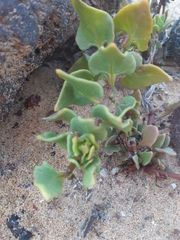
(91, 80)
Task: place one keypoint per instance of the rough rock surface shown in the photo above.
(30, 30)
(175, 41)
(175, 131)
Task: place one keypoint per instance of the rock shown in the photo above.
(114, 171)
(174, 45)
(103, 173)
(31, 30)
(174, 186)
(175, 131)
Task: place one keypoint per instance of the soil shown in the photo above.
(118, 207)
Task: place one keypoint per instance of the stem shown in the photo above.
(70, 169)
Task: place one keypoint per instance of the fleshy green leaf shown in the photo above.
(166, 142)
(126, 126)
(168, 151)
(69, 96)
(96, 26)
(135, 20)
(88, 126)
(69, 145)
(91, 138)
(145, 157)
(109, 146)
(48, 181)
(61, 140)
(75, 146)
(81, 63)
(89, 172)
(137, 95)
(108, 118)
(65, 114)
(150, 134)
(77, 90)
(112, 61)
(127, 103)
(160, 140)
(136, 161)
(137, 58)
(145, 76)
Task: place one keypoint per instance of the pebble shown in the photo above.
(114, 171)
(123, 214)
(103, 173)
(173, 185)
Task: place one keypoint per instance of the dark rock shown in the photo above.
(17, 231)
(175, 131)
(175, 41)
(31, 30)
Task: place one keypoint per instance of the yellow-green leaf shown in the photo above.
(145, 76)
(112, 61)
(135, 20)
(48, 181)
(79, 89)
(65, 114)
(96, 26)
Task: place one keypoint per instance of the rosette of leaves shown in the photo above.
(81, 148)
(160, 23)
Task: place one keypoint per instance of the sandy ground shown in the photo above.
(131, 207)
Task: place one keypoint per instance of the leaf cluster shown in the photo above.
(85, 84)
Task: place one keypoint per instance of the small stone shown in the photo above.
(166, 93)
(173, 185)
(123, 214)
(103, 173)
(115, 171)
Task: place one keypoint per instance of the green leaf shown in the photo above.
(75, 146)
(81, 63)
(96, 26)
(145, 157)
(112, 61)
(84, 74)
(137, 58)
(48, 181)
(89, 172)
(127, 103)
(137, 95)
(126, 126)
(166, 142)
(91, 138)
(68, 96)
(61, 140)
(135, 20)
(88, 126)
(78, 90)
(150, 134)
(155, 28)
(65, 114)
(160, 140)
(168, 151)
(75, 162)
(110, 147)
(69, 145)
(136, 161)
(145, 76)
(108, 118)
